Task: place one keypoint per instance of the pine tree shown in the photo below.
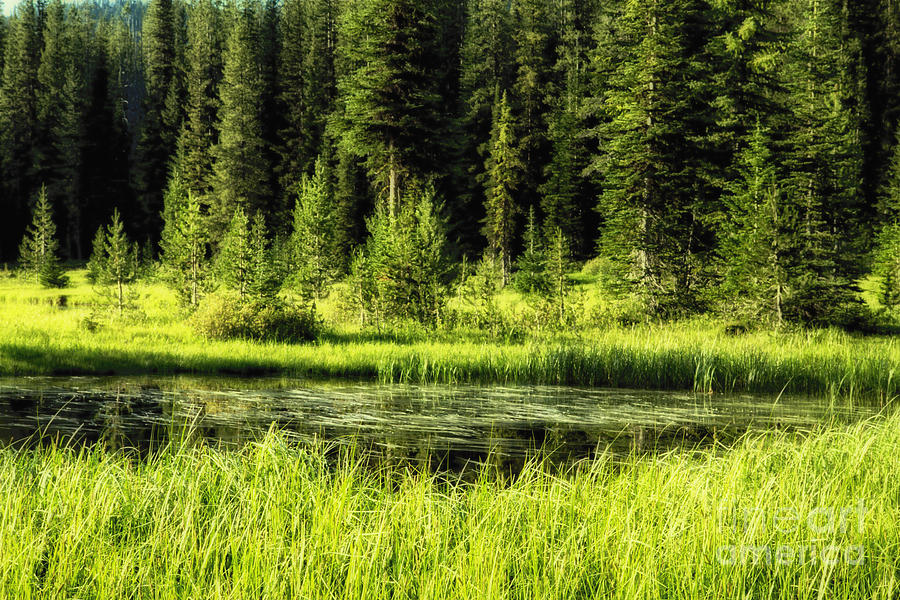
(118, 266)
(18, 119)
(403, 273)
(313, 235)
(654, 196)
(487, 65)
(531, 266)
(95, 264)
(825, 161)
(184, 243)
(263, 283)
(886, 263)
(39, 249)
(307, 82)
(105, 143)
(158, 133)
(503, 171)
(562, 195)
(61, 104)
(234, 261)
(754, 245)
(533, 86)
(204, 72)
(394, 106)
(559, 264)
(431, 268)
(242, 168)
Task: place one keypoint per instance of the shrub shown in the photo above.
(225, 317)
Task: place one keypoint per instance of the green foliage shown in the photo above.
(404, 272)
(39, 250)
(754, 244)
(395, 114)
(118, 270)
(312, 239)
(242, 163)
(221, 317)
(503, 171)
(184, 244)
(531, 267)
(98, 256)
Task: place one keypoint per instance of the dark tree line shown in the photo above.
(735, 154)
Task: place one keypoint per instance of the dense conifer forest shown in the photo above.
(736, 156)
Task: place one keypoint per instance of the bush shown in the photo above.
(224, 317)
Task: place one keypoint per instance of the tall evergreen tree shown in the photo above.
(825, 161)
(755, 246)
(204, 72)
(19, 119)
(242, 169)
(307, 83)
(394, 107)
(503, 171)
(533, 87)
(61, 102)
(487, 65)
(158, 133)
(654, 197)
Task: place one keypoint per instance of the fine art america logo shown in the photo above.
(825, 526)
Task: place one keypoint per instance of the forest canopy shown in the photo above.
(737, 155)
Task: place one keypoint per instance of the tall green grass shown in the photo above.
(37, 336)
(280, 521)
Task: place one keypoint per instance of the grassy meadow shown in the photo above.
(777, 516)
(59, 332)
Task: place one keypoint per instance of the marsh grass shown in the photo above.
(275, 520)
(38, 336)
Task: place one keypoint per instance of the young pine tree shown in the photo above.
(38, 252)
(98, 256)
(405, 261)
(531, 266)
(184, 244)
(245, 263)
(242, 162)
(313, 236)
(118, 271)
(264, 282)
(233, 263)
(503, 169)
(559, 264)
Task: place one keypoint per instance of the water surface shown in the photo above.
(449, 426)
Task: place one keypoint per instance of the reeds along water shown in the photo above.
(274, 520)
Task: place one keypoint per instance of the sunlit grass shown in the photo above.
(280, 521)
(37, 336)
